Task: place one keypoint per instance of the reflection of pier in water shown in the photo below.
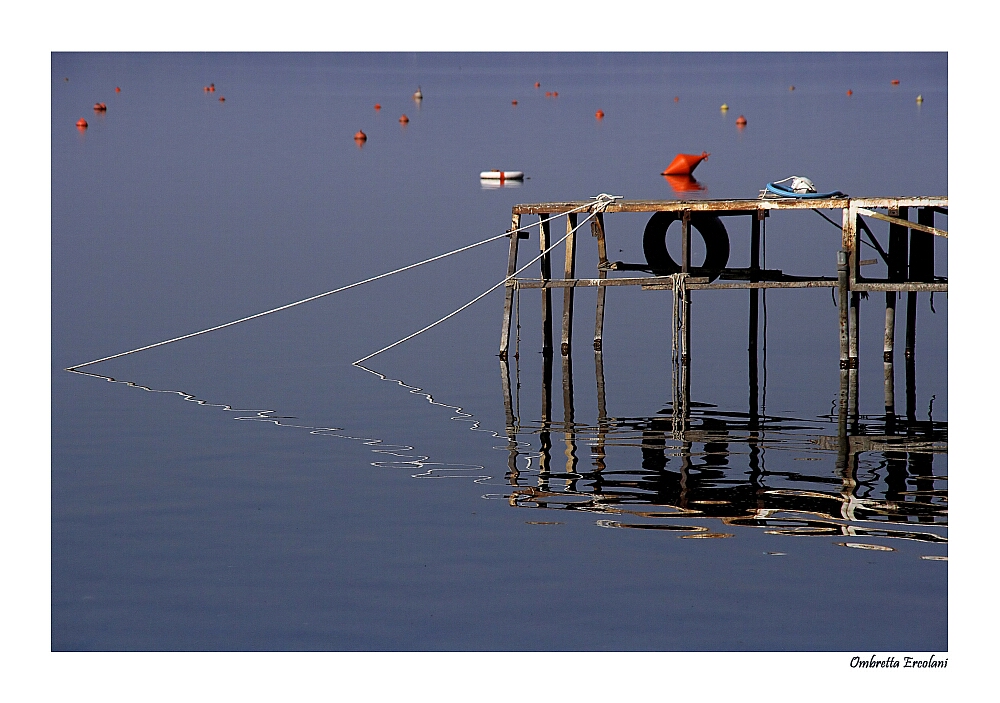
(695, 463)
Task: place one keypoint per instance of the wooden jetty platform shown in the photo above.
(907, 251)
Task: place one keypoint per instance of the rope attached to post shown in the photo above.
(601, 204)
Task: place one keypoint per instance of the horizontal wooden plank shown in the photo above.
(735, 206)
(744, 285)
(883, 286)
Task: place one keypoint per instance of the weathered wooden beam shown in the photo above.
(569, 273)
(515, 236)
(736, 205)
(906, 223)
(903, 286)
(597, 228)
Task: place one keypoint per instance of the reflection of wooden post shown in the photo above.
(843, 293)
(754, 312)
(569, 272)
(546, 273)
(508, 303)
(569, 430)
(897, 272)
(508, 406)
(545, 455)
(854, 315)
(598, 451)
(597, 228)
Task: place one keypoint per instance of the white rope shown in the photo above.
(601, 204)
(509, 233)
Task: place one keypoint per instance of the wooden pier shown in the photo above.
(907, 252)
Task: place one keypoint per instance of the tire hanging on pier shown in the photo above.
(712, 231)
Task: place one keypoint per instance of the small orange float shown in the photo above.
(100, 107)
(677, 99)
(513, 102)
(404, 119)
(377, 107)
(895, 81)
(599, 114)
(81, 123)
(117, 89)
(684, 164)
(360, 136)
(537, 84)
(741, 121)
(850, 92)
(222, 98)
(211, 87)
(791, 87)
(555, 94)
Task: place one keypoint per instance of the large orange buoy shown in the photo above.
(404, 119)
(360, 136)
(81, 123)
(599, 114)
(684, 164)
(741, 121)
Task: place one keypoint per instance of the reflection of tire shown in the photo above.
(711, 229)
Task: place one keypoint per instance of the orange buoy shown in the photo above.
(100, 107)
(377, 107)
(205, 88)
(599, 114)
(677, 99)
(895, 81)
(555, 94)
(537, 84)
(404, 119)
(684, 164)
(222, 98)
(211, 87)
(850, 92)
(548, 93)
(360, 136)
(81, 123)
(117, 89)
(741, 121)
(791, 87)
(513, 102)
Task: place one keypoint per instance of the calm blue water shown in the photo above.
(355, 515)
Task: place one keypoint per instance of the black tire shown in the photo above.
(712, 231)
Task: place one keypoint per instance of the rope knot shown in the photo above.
(602, 202)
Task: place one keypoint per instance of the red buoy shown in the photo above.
(211, 87)
(599, 114)
(537, 84)
(377, 107)
(513, 102)
(555, 94)
(360, 136)
(117, 89)
(81, 123)
(222, 98)
(741, 121)
(895, 81)
(684, 164)
(404, 119)
(850, 92)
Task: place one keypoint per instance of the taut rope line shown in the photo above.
(322, 295)
(603, 200)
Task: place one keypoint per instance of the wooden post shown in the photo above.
(508, 303)
(569, 272)
(546, 273)
(897, 272)
(597, 228)
(843, 293)
(686, 242)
